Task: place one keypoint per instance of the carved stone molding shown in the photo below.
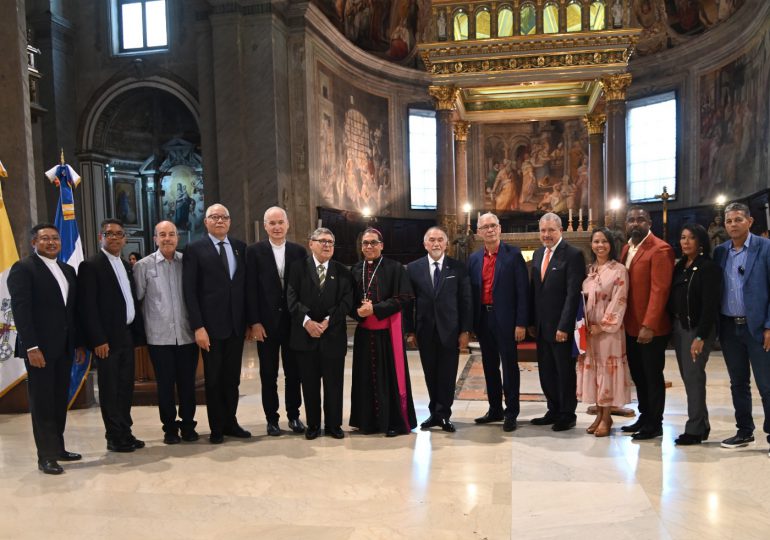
(519, 63)
(444, 97)
(595, 123)
(461, 128)
(615, 86)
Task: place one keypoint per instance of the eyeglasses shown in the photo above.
(113, 234)
(371, 243)
(325, 243)
(217, 217)
(46, 239)
(487, 227)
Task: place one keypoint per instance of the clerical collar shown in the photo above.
(277, 246)
(375, 260)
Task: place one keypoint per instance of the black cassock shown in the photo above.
(381, 394)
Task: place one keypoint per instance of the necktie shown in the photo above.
(223, 256)
(436, 275)
(546, 260)
(321, 274)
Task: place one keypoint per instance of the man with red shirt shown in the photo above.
(499, 287)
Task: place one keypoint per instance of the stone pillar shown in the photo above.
(615, 87)
(596, 188)
(461, 169)
(446, 212)
(16, 145)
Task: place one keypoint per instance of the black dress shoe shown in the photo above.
(171, 438)
(311, 432)
(646, 435)
(632, 428)
(430, 422)
(335, 432)
(296, 425)
(49, 466)
(563, 426)
(216, 438)
(688, 439)
(273, 430)
(490, 417)
(69, 456)
(447, 426)
(238, 432)
(120, 446)
(136, 443)
(510, 424)
(543, 421)
(190, 435)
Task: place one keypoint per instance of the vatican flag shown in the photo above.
(12, 369)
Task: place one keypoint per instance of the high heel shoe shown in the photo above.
(605, 426)
(592, 428)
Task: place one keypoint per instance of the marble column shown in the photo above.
(596, 188)
(446, 212)
(16, 145)
(615, 87)
(461, 169)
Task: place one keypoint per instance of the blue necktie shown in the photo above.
(436, 276)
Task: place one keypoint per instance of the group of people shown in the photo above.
(294, 303)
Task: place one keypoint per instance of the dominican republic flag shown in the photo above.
(579, 343)
(66, 179)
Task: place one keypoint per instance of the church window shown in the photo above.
(574, 17)
(651, 144)
(527, 19)
(422, 159)
(551, 18)
(505, 22)
(142, 25)
(597, 15)
(461, 26)
(483, 20)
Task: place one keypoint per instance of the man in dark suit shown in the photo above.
(267, 264)
(214, 284)
(111, 325)
(319, 295)
(744, 326)
(556, 278)
(499, 287)
(439, 323)
(43, 295)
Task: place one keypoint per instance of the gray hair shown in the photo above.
(321, 231)
(550, 216)
(490, 214)
(272, 208)
(738, 207)
(436, 228)
(208, 210)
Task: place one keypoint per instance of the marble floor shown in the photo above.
(478, 483)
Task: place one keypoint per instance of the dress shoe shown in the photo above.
(738, 441)
(647, 434)
(190, 435)
(543, 421)
(447, 426)
(592, 428)
(632, 428)
(238, 432)
(563, 426)
(171, 437)
(430, 422)
(393, 432)
(489, 417)
(216, 438)
(297, 426)
(688, 439)
(335, 432)
(510, 424)
(273, 430)
(311, 432)
(136, 443)
(120, 446)
(69, 456)
(603, 429)
(49, 466)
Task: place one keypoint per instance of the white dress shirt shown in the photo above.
(57, 272)
(279, 253)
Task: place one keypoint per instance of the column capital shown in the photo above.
(595, 123)
(461, 128)
(615, 86)
(444, 97)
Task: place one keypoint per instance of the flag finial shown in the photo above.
(61, 159)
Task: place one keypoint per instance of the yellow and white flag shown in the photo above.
(12, 369)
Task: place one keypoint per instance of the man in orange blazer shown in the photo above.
(650, 264)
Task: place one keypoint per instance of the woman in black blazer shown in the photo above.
(694, 307)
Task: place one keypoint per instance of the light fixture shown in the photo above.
(721, 200)
(467, 208)
(615, 204)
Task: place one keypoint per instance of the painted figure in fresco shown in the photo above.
(529, 182)
(557, 161)
(575, 158)
(182, 207)
(504, 190)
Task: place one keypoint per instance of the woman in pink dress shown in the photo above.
(603, 376)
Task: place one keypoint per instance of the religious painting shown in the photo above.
(535, 166)
(126, 201)
(734, 124)
(182, 200)
(695, 16)
(354, 149)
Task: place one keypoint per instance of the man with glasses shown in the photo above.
(109, 316)
(267, 265)
(43, 295)
(320, 295)
(214, 284)
(744, 328)
(499, 288)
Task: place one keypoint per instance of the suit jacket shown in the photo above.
(266, 297)
(509, 292)
(756, 283)
(448, 309)
(42, 319)
(554, 300)
(649, 279)
(306, 297)
(101, 306)
(214, 301)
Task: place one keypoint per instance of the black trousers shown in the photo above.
(222, 369)
(439, 364)
(269, 351)
(558, 378)
(493, 354)
(48, 389)
(316, 368)
(646, 363)
(115, 375)
(175, 367)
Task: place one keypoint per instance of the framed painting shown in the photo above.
(125, 201)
